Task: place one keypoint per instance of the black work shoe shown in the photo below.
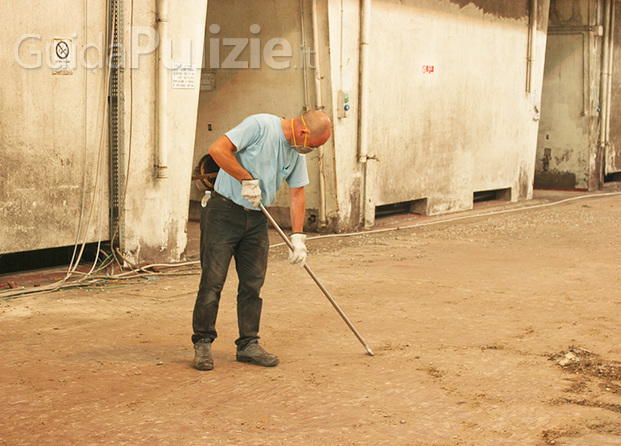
(253, 353)
(202, 356)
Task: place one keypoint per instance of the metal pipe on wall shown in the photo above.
(161, 158)
(319, 106)
(304, 66)
(532, 33)
(363, 102)
(611, 46)
(603, 106)
(365, 31)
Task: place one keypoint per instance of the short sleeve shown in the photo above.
(245, 134)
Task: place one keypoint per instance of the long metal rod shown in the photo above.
(319, 284)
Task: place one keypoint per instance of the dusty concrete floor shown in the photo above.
(467, 318)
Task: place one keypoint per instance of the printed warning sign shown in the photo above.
(184, 76)
(62, 56)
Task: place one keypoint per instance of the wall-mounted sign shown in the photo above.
(184, 76)
(62, 56)
(428, 69)
(208, 81)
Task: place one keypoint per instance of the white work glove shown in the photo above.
(251, 191)
(298, 255)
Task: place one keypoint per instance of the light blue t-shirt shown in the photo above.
(264, 152)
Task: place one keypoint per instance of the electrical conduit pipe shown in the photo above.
(611, 51)
(161, 157)
(605, 79)
(532, 34)
(305, 65)
(319, 106)
(363, 102)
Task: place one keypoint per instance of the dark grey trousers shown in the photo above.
(228, 230)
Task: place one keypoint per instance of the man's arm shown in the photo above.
(298, 238)
(222, 151)
(297, 207)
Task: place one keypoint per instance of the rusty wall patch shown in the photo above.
(524, 180)
(555, 179)
(355, 191)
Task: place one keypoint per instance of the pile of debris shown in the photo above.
(582, 361)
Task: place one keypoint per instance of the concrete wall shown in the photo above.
(155, 222)
(448, 109)
(53, 128)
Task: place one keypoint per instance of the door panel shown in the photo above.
(563, 142)
(49, 125)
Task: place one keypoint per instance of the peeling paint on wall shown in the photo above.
(510, 9)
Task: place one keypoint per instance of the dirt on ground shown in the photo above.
(497, 326)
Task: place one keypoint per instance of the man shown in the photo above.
(254, 158)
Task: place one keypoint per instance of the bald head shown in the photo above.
(320, 127)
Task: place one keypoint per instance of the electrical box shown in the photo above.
(208, 81)
(344, 105)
